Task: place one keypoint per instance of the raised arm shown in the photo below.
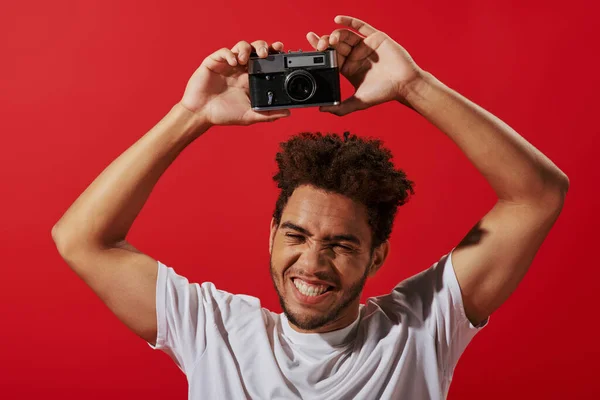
(495, 255)
(91, 235)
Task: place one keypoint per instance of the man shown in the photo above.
(329, 233)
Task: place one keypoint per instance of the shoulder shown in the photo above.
(412, 299)
(209, 299)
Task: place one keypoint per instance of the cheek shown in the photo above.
(279, 262)
(351, 272)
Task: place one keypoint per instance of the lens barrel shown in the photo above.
(300, 85)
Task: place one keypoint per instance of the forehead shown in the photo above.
(325, 213)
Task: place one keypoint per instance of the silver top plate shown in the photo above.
(283, 61)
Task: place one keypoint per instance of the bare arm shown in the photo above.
(516, 170)
(105, 211)
(91, 234)
(495, 255)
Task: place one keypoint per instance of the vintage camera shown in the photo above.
(294, 79)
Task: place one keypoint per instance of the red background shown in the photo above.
(81, 81)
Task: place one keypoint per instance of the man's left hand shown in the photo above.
(379, 68)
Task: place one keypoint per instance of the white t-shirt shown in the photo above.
(402, 345)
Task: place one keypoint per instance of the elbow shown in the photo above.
(70, 250)
(74, 245)
(562, 189)
(64, 242)
(58, 237)
(566, 184)
(54, 233)
(554, 198)
(556, 179)
(549, 195)
(555, 190)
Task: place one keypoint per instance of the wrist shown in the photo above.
(193, 123)
(415, 88)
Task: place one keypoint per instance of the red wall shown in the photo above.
(81, 81)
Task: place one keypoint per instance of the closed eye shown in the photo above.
(300, 238)
(295, 237)
(342, 247)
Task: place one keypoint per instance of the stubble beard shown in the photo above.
(310, 323)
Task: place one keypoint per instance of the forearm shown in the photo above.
(515, 169)
(105, 211)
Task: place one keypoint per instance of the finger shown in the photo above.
(347, 106)
(224, 55)
(313, 39)
(276, 46)
(342, 40)
(268, 116)
(345, 36)
(342, 48)
(323, 43)
(356, 24)
(261, 47)
(243, 50)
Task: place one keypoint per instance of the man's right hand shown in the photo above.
(218, 91)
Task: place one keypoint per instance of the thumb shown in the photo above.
(347, 106)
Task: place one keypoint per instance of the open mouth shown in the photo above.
(310, 291)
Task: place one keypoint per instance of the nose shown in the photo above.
(313, 259)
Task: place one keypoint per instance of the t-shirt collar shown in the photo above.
(335, 338)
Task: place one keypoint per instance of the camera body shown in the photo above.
(294, 79)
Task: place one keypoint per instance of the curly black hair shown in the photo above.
(360, 169)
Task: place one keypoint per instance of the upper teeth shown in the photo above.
(308, 289)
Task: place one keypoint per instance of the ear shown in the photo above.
(272, 234)
(379, 256)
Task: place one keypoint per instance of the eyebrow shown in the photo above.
(343, 237)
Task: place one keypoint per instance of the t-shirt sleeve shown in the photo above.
(184, 311)
(433, 297)
(450, 326)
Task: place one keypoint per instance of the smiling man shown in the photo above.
(325, 241)
(329, 233)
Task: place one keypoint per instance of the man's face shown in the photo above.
(320, 259)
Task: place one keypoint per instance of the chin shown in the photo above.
(307, 320)
(310, 316)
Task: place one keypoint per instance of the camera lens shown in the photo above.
(300, 85)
